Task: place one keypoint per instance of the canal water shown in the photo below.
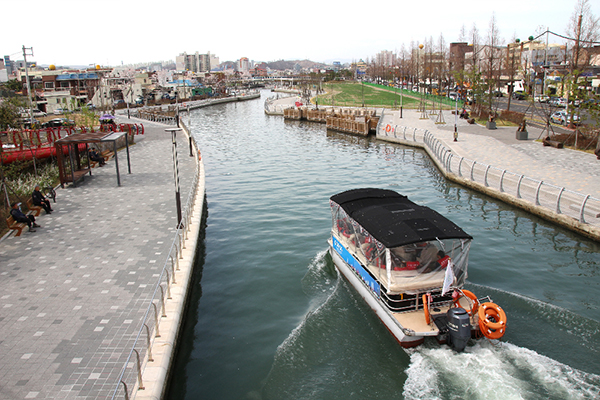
(270, 318)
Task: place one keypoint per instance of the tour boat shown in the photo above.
(409, 263)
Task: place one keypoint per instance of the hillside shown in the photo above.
(289, 64)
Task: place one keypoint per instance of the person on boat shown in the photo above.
(94, 156)
(40, 200)
(19, 216)
(427, 257)
(442, 259)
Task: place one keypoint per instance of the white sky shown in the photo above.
(108, 32)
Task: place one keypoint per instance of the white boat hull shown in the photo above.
(402, 335)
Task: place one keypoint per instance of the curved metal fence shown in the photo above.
(276, 109)
(130, 378)
(558, 200)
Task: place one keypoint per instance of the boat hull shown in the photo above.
(351, 271)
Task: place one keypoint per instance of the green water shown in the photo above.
(271, 319)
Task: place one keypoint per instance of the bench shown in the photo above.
(14, 225)
(35, 210)
(107, 154)
(553, 143)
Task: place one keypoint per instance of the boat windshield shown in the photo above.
(411, 268)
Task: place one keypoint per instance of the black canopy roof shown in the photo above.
(394, 220)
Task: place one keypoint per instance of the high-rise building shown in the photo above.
(196, 62)
(243, 64)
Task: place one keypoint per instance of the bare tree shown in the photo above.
(476, 42)
(584, 27)
(493, 58)
(512, 66)
(462, 34)
(442, 63)
(428, 68)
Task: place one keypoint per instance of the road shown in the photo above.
(536, 111)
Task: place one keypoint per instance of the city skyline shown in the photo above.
(127, 33)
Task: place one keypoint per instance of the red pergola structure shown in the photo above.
(69, 151)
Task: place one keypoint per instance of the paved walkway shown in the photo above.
(72, 294)
(574, 170)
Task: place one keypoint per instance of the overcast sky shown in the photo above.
(111, 32)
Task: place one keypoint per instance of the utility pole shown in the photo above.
(29, 97)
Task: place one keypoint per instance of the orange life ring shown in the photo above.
(472, 297)
(388, 128)
(426, 309)
(492, 329)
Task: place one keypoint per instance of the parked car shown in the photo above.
(470, 100)
(58, 111)
(519, 95)
(541, 99)
(561, 117)
(36, 113)
(53, 123)
(31, 123)
(557, 102)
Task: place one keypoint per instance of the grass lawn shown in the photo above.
(351, 94)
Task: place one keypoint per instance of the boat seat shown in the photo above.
(406, 281)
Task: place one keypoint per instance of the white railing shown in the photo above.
(557, 200)
(276, 109)
(130, 378)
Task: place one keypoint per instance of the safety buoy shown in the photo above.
(388, 128)
(426, 309)
(492, 320)
(471, 296)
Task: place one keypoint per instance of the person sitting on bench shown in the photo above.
(19, 216)
(40, 200)
(94, 156)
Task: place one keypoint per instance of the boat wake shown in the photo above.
(487, 371)
(505, 370)
(340, 350)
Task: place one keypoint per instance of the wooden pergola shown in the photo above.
(69, 151)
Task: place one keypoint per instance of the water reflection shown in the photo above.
(274, 314)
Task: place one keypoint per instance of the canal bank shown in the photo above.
(92, 301)
(559, 185)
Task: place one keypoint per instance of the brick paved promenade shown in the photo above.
(73, 294)
(572, 169)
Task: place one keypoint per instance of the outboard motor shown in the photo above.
(459, 328)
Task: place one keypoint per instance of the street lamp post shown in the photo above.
(173, 132)
(456, 119)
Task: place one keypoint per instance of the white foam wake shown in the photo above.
(487, 371)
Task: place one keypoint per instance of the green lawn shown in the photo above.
(352, 94)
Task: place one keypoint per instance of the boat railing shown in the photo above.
(406, 303)
(130, 378)
(551, 198)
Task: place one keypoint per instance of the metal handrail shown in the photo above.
(151, 320)
(555, 199)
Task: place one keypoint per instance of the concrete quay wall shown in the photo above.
(156, 372)
(567, 207)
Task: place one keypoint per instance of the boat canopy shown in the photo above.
(394, 220)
